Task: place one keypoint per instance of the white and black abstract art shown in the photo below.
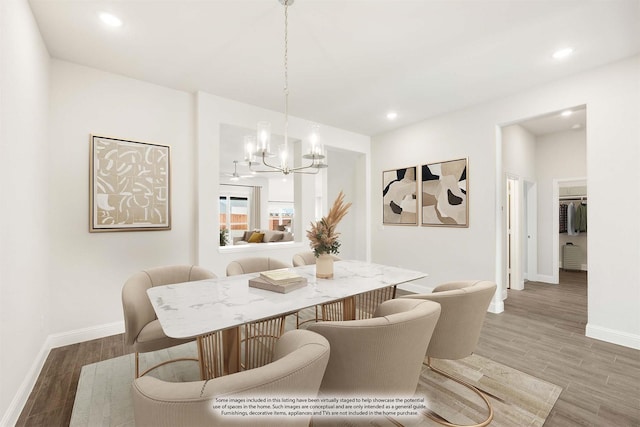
(445, 188)
(399, 191)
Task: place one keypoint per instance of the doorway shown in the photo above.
(533, 154)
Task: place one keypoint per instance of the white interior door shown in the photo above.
(531, 229)
(514, 233)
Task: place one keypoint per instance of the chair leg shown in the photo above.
(137, 363)
(313, 319)
(259, 341)
(470, 387)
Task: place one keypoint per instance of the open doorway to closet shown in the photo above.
(543, 159)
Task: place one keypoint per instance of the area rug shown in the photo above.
(103, 397)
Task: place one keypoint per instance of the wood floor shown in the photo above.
(541, 333)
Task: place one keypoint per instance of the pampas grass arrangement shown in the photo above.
(323, 237)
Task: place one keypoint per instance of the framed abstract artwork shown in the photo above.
(129, 185)
(445, 190)
(399, 196)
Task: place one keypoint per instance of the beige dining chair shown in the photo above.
(142, 327)
(464, 306)
(382, 355)
(300, 360)
(309, 258)
(258, 338)
(360, 306)
(254, 265)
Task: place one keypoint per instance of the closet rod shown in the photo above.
(573, 197)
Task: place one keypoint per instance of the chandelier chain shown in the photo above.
(286, 71)
(262, 147)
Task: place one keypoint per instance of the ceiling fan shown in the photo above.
(235, 176)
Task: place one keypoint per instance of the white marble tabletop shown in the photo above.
(196, 308)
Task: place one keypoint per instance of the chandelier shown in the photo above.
(259, 147)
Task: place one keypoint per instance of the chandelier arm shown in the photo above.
(303, 172)
(264, 162)
(310, 166)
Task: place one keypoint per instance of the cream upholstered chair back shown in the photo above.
(138, 311)
(464, 306)
(382, 354)
(142, 328)
(307, 258)
(299, 364)
(253, 265)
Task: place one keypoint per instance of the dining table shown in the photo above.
(213, 310)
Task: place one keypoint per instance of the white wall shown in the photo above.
(213, 111)
(281, 191)
(518, 164)
(445, 253)
(519, 152)
(344, 177)
(88, 269)
(24, 173)
(612, 97)
(560, 155)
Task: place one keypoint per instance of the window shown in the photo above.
(281, 216)
(234, 214)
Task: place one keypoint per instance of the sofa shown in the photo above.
(263, 236)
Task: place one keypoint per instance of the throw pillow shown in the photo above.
(256, 237)
(276, 237)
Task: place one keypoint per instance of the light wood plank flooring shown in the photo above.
(541, 333)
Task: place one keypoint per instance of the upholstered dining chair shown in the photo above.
(464, 306)
(359, 307)
(258, 338)
(307, 258)
(142, 328)
(253, 265)
(299, 363)
(382, 355)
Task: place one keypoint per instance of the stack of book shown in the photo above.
(282, 280)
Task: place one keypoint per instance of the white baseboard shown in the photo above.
(11, 415)
(544, 279)
(85, 334)
(583, 267)
(496, 307)
(613, 336)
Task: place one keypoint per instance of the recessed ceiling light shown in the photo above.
(110, 20)
(576, 126)
(566, 113)
(562, 53)
(392, 115)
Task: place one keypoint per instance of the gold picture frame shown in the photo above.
(445, 194)
(129, 185)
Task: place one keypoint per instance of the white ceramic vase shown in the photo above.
(324, 267)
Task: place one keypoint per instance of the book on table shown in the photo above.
(282, 276)
(260, 283)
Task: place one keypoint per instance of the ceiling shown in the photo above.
(350, 61)
(557, 122)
